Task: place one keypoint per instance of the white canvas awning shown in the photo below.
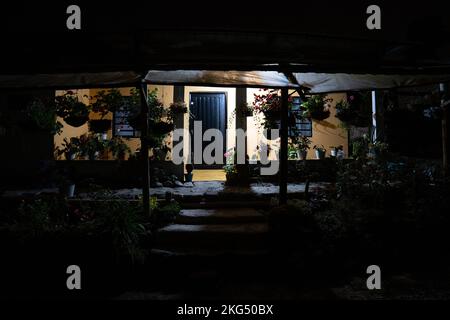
(316, 82)
(336, 82)
(261, 79)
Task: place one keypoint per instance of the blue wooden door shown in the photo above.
(210, 108)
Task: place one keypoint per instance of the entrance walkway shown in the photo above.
(209, 175)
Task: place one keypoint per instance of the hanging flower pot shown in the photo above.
(316, 107)
(355, 110)
(319, 115)
(74, 112)
(76, 121)
(100, 126)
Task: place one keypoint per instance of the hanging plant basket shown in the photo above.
(361, 121)
(317, 107)
(134, 121)
(161, 128)
(345, 115)
(319, 115)
(99, 126)
(76, 121)
(355, 110)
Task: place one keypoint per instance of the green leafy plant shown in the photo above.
(245, 110)
(118, 147)
(74, 112)
(122, 223)
(165, 214)
(320, 148)
(106, 101)
(269, 105)
(316, 107)
(43, 116)
(91, 145)
(355, 110)
(70, 148)
(302, 142)
(160, 120)
(298, 146)
(99, 125)
(176, 109)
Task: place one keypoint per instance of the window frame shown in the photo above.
(304, 121)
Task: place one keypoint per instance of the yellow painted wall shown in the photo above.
(165, 94)
(328, 132)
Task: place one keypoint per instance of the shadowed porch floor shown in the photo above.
(217, 190)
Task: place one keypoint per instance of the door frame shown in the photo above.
(225, 138)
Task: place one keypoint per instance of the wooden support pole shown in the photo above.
(445, 100)
(284, 146)
(142, 89)
(178, 96)
(241, 123)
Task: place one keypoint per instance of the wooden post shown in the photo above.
(142, 89)
(284, 146)
(241, 123)
(178, 96)
(445, 100)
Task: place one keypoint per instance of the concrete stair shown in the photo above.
(215, 231)
(219, 216)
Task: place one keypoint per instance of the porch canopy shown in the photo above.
(316, 82)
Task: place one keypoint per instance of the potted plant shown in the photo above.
(292, 151)
(333, 151)
(355, 110)
(336, 151)
(91, 146)
(231, 174)
(303, 143)
(268, 105)
(344, 112)
(101, 126)
(74, 112)
(108, 101)
(71, 148)
(189, 175)
(316, 107)
(65, 182)
(118, 148)
(160, 153)
(67, 189)
(320, 151)
(105, 102)
(43, 116)
(177, 109)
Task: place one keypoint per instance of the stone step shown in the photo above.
(219, 216)
(211, 204)
(217, 237)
